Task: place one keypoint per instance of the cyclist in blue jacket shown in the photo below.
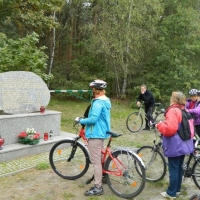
(97, 124)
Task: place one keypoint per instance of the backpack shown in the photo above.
(186, 129)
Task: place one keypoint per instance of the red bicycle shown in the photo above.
(123, 169)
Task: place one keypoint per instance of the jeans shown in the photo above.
(149, 111)
(175, 175)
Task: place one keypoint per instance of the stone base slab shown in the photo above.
(12, 125)
(14, 151)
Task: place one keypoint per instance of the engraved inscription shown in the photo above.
(22, 92)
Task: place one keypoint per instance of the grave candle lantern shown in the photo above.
(1, 142)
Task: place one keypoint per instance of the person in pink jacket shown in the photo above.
(173, 146)
(195, 112)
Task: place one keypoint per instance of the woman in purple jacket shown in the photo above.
(195, 112)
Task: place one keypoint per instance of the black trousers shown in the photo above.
(197, 128)
(149, 111)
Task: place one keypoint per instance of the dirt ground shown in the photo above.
(34, 184)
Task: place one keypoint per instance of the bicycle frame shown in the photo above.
(105, 153)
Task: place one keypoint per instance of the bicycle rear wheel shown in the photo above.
(196, 173)
(64, 164)
(130, 183)
(134, 122)
(154, 163)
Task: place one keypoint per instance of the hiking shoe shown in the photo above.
(146, 129)
(165, 195)
(94, 191)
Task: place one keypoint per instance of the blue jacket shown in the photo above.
(98, 121)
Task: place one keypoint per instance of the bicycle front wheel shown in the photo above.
(130, 183)
(196, 173)
(159, 117)
(154, 163)
(134, 122)
(66, 164)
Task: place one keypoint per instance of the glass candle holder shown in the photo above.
(46, 136)
(42, 109)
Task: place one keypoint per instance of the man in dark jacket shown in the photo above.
(149, 101)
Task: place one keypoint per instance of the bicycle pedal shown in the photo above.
(188, 173)
(88, 182)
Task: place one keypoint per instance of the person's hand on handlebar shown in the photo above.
(77, 120)
(138, 103)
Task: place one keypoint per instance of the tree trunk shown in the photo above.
(53, 48)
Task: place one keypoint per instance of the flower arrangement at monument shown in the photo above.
(30, 136)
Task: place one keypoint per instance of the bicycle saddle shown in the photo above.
(113, 135)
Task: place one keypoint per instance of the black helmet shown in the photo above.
(98, 84)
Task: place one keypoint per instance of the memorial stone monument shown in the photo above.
(22, 92)
(21, 96)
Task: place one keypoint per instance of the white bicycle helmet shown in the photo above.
(193, 92)
(98, 84)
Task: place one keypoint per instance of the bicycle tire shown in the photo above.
(196, 173)
(73, 169)
(159, 117)
(130, 183)
(134, 122)
(153, 158)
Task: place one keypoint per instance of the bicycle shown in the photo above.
(123, 170)
(154, 160)
(191, 165)
(135, 120)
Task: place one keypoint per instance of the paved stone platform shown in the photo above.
(16, 165)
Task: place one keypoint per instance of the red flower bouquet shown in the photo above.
(30, 136)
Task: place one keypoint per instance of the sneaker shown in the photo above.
(178, 194)
(94, 191)
(165, 195)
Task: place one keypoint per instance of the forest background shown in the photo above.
(124, 42)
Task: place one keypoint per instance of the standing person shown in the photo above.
(149, 101)
(192, 100)
(195, 112)
(173, 146)
(97, 124)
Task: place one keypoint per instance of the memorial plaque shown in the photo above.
(22, 92)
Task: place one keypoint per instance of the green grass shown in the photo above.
(42, 166)
(119, 112)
